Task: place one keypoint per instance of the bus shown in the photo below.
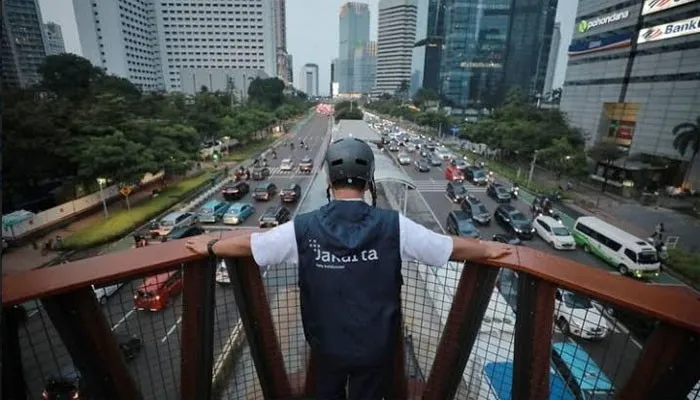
(625, 252)
(489, 371)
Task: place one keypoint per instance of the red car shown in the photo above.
(452, 173)
(157, 290)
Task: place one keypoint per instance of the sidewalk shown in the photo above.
(27, 257)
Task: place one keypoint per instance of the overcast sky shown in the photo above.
(312, 31)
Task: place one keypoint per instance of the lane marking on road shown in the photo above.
(124, 318)
(171, 330)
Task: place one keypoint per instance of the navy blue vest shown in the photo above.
(350, 281)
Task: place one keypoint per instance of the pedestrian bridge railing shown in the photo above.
(533, 325)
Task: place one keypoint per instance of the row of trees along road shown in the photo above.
(80, 124)
(347, 110)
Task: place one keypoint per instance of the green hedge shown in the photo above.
(122, 222)
(685, 263)
(249, 150)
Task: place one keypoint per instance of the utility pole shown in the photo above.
(532, 167)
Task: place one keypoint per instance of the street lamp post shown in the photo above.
(102, 182)
(532, 167)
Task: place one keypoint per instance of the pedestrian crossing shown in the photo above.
(275, 171)
(438, 186)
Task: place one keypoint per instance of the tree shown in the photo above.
(563, 158)
(68, 75)
(606, 153)
(424, 96)
(402, 90)
(268, 93)
(687, 136)
(347, 110)
(514, 96)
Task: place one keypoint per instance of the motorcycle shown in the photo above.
(514, 192)
(660, 247)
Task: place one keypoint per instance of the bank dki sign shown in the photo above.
(667, 31)
(585, 25)
(652, 6)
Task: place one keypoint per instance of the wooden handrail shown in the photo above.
(672, 304)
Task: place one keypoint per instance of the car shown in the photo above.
(393, 147)
(183, 232)
(507, 239)
(171, 221)
(514, 221)
(68, 384)
(275, 215)
(435, 161)
(554, 233)
(290, 193)
(452, 173)
(498, 192)
(306, 165)
(212, 211)
(286, 165)
(442, 153)
(422, 165)
(130, 345)
(235, 191)
(265, 191)
(576, 315)
(456, 192)
(460, 164)
(476, 176)
(476, 208)
(103, 293)
(404, 158)
(460, 223)
(260, 173)
(238, 213)
(424, 153)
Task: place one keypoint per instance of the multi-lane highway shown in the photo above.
(156, 369)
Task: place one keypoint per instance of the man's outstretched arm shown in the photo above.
(464, 249)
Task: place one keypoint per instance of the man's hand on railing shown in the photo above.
(469, 249)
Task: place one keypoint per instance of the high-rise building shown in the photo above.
(353, 34)
(531, 27)
(433, 43)
(281, 37)
(290, 68)
(365, 66)
(308, 79)
(473, 51)
(23, 43)
(150, 42)
(418, 53)
(54, 39)
(552, 60)
(396, 35)
(330, 85)
(632, 77)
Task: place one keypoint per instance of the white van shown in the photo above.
(628, 253)
(554, 233)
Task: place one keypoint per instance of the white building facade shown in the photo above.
(149, 42)
(396, 35)
(308, 80)
(552, 61)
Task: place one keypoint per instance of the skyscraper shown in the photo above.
(365, 67)
(418, 53)
(333, 78)
(552, 60)
(308, 79)
(473, 52)
(152, 43)
(353, 34)
(396, 35)
(281, 37)
(531, 27)
(23, 43)
(290, 68)
(433, 42)
(54, 39)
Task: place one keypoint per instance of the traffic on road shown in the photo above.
(146, 313)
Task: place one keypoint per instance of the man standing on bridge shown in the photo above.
(349, 256)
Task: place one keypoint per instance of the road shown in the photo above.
(616, 354)
(156, 369)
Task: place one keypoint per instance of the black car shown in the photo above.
(260, 173)
(68, 384)
(393, 147)
(476, 176)
(185, 231)
(274, 216)
(476, 208)
(460, 223)
(290, 193)
(265, 191)
(506, 238)
(498, 192)
(514, 221)
(422, 165)
(435, 161)
(130, 345)
(306, 165)
(456, 191)
(235, 191)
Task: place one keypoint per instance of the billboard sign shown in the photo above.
(581, 47)
(653, 6)
(684, 27)
(585, 25)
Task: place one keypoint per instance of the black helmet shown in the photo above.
(348, 159)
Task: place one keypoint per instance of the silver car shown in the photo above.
(405, 158)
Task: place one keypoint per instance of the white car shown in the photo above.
(405, 158)
(104, 293)
(222, 273)
(286, 165)
(554, 233)
(575, 315)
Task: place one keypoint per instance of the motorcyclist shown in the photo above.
(264, 162)
(291, 146)
(351, 303)
(274, 154)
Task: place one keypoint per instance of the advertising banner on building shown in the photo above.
(580, 47)
(587, 24)
(684, 27)
(653, 6)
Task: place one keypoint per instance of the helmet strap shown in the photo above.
(373, 191)
(328, 193)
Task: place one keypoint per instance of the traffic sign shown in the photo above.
(125, 191)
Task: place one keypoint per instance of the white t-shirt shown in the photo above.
(418, 243)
